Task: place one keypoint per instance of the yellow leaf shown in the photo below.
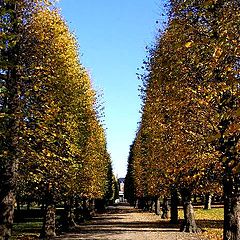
(217, 52)
(237, 113)
(188, 44)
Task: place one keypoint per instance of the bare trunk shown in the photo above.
(18, 205)
(195, 199)
(152, 205)
(48, 230)
(165, 208)
(6, 215)
(28, 205)
(8, 163)
(136, 203)
(78, 211)
(189, 224)
(68, 221)
(86, 211)
(8, 169)
(144, 203)
(174, 206)
(232, 208)
(157, 206)
(92, 207)
(208, 201)
(49, 220)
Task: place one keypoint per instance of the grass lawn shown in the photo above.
(210, 221)
(28, 223)
(27, 230)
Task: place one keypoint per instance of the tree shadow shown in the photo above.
(209, 223)
(112, 222)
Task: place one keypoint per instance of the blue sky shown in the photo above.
(112, 35)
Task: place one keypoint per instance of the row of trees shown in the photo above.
(52, 141)
(188, 138)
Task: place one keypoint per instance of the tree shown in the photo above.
(47, 102)
(129, 187)
(215, 61)
(190, 115)
(109, 192)
(64, 140)
(13, 16)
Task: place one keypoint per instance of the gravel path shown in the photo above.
(127, 223)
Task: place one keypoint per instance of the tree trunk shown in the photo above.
(8, 163)
(43, 207)
(157, 206)
(92, 207)
(17, 212)
(165, 209)
(78, 211)
(49, 220)
(136, 203)
(86, 211)
(8, 169)
(18, 205)
(6, 214)
(48, 230)
(208, 201)
(28, 205)
(174, 206)
(152, 205)
(141, 203)
(68, 220)
(189, 224)
(232, 208)
(195, 198)
(144, 204)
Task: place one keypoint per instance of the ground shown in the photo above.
(125, 223)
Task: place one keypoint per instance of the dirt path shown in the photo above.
(127, 223)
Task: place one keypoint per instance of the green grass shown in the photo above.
(29, 229)
(210, 221)
(212, 214)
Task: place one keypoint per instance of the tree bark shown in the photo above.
(49, 220)
(165, 209)
(68, 220)
(8, 163)
(6, 214)
(189, 224)
(92, 206)
(195, 198)
(174, 206)
(208, 201)
(49, 226)
(28, 205)
(78, 211)
(136, 205)
(18, 205)
(152, 205)
(232, 208)
(157, 206)
(86, 211)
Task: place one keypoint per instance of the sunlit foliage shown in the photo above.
(51, 136)
(189, 132)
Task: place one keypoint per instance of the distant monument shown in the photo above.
(121, 189)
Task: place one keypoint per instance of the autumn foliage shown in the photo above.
(188, 138)
(53, 145)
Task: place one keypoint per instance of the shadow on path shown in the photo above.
(127, 223)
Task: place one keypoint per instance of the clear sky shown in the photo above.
(112, 35)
